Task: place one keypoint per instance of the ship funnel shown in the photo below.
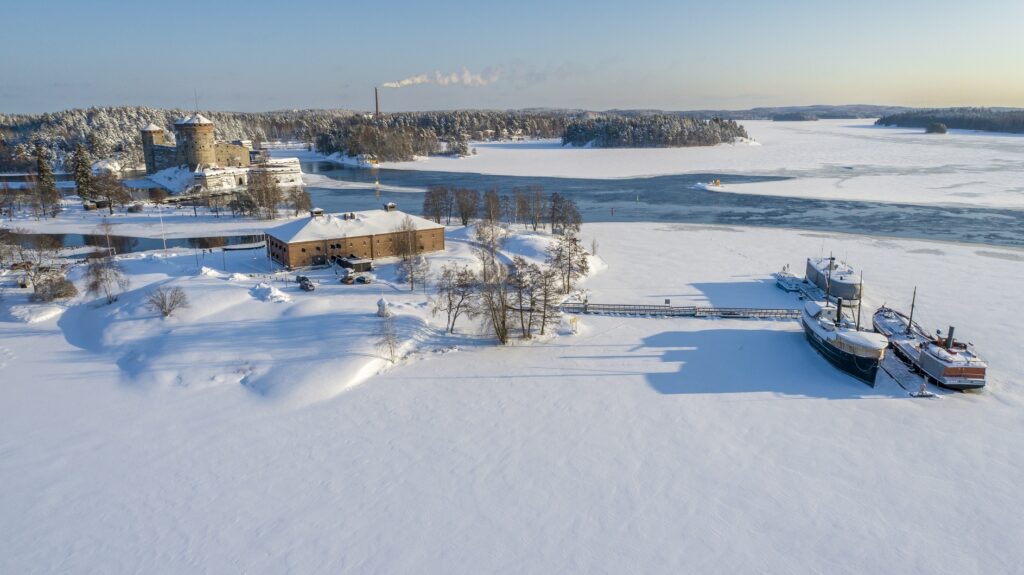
(949, 338)
(839, 311)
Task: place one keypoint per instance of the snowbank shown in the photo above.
(176, 180)
(267, 292)
(34, 313)
(636, 445)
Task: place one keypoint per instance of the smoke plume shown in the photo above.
(466, 78)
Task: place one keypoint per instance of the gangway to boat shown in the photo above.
(679, 311)
(790, 283)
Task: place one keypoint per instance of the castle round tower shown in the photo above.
(152, 135)
(195, 141)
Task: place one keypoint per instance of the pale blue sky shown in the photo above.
(258, 55)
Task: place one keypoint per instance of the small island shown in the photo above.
(650, 131)
(936, 128)
(982, 119)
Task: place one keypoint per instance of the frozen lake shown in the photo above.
(673, 198)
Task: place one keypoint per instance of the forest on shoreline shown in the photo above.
(985, 119)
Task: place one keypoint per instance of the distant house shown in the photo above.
(321, 238)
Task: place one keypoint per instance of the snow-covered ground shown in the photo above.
(829, 159)
(178, 222)
(259, 431)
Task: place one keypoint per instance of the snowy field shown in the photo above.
(259, 431)
(827, 159)
(177, 222)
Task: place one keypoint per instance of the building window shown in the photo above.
(303, 250)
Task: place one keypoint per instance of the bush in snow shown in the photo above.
(103, 275)
(167, 300)
(53, 286)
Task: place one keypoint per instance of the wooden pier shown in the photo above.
(679, 311)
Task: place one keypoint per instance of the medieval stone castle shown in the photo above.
(214, 165)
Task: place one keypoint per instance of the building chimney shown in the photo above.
(376, 103)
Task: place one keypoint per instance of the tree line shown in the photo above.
(657, 130)
(987, 119)
(527, 205)
(113, 132)
(401, 136)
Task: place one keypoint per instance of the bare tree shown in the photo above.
(509, 211)
(538, 205)
(265, 193)
(299, 200)
(522, 205)
(39, 256)
(547, 297)
(448, 205)
(489, 238)
(522, 279)
(105, 185)
(103, 275)
(434, 203)
(412, 267)
(158, 195)
(496, 304)
(167, 300)
(415, 270)
(387, 338)
(492, 206)
(8, 241)
(467, 203)
(456, 291)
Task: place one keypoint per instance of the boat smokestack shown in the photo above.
(376, 102)
(839, 310)
(949, 338)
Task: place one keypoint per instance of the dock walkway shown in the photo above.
(679, 311)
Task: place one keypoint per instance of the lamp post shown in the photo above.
(160, 211)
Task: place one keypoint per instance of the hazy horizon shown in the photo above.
(315, 54)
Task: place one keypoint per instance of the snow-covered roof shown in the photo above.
(193, 120)
(330, 226)
(865, 339)
(152, 128)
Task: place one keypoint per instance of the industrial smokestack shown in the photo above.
(376, 102)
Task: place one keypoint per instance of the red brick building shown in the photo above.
(316, 239)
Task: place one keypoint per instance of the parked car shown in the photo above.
(364, 280)
(347, 280)
(305, 283)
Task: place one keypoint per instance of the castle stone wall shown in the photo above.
(231, 155)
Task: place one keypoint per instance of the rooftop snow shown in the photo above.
(196, 119)
(329, 227)
(152, 128)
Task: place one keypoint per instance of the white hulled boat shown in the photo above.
(834, 277)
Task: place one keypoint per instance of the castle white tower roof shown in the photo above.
(194, 120)
(152, 128)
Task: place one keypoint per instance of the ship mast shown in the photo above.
(910, 324)
(828, 278)
(860, 300)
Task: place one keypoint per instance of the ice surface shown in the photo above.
(828, 159)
